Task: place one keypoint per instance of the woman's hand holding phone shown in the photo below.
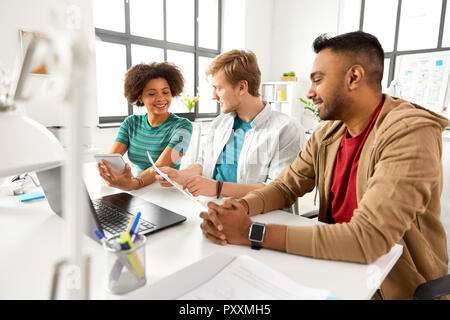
(113, 179)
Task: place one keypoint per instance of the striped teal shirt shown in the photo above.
(139, 137)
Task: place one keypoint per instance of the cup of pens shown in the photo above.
(125, 260)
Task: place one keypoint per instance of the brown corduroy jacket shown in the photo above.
(399, 184)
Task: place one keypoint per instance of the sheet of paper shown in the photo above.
(176, 185)
(248, 279)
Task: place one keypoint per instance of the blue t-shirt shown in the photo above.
(226, 167)
(140, 137)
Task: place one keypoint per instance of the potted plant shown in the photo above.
(289, 76)
(190, 104)
(311, 116)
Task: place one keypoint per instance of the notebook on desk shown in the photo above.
(110, 214)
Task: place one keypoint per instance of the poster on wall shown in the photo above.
(424, 79)
(25, 39)
(41, 86)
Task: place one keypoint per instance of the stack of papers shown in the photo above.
(176, 185)
(246, 278)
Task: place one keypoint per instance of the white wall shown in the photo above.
(233, 24)
(296, 25)
(280, 33)
(259, 23)
(248, 24)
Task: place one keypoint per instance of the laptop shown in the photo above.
(110, 214)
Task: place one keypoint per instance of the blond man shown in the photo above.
(249, 144)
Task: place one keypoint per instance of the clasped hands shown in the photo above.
(226, 223)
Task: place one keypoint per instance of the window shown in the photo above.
(185, 32)
(419, 24)
(385, 31)
(405, 29)
(349, 11)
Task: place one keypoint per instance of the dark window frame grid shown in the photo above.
(392, 55)
(127, 39)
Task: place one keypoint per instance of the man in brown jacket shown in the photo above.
(376, 165)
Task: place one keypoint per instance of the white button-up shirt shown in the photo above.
(272, 144)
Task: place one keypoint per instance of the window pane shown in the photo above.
(180, 21)
(109, 14)
(384, 82)
(446, 35)
(144, 54)
(111, 67)
(206, 103)
(185, 61)
(208, 23)
(147, 18)
(349, 15)
(419, 24)
(384, 30)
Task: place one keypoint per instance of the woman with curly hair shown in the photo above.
(163, 134)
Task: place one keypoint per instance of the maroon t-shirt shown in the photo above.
(343, 183)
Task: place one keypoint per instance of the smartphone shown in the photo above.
(115, 161)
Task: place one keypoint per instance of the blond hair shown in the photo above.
(238, 65)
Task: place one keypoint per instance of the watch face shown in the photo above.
(257, 232)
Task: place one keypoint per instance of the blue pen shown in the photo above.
(120, 262)
(135, 223)
(102, 239)
(100, 236)
(136, 234)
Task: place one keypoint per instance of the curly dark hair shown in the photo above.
(139, 75)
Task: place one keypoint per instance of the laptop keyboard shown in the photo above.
(115, 220)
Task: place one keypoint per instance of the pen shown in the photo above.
(135, 223)
(136, 234)
(121, 260)
(129, 225)
(118, 265)
(100, 237)
(126, 244)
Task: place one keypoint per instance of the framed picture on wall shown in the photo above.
(424, 79)
(39, 67)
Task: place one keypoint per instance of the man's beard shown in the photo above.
(332, 109)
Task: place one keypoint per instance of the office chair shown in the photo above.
(311, 214)
(433, 289)
(296, 207)
(293, 209)
(194, 147)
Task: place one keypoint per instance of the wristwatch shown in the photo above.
(256, 234)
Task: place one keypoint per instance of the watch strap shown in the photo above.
(256, 245)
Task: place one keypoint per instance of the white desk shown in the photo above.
(33, 239)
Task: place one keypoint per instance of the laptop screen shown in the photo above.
(51, 183)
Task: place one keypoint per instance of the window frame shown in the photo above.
(393, 55)
(127, 39)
